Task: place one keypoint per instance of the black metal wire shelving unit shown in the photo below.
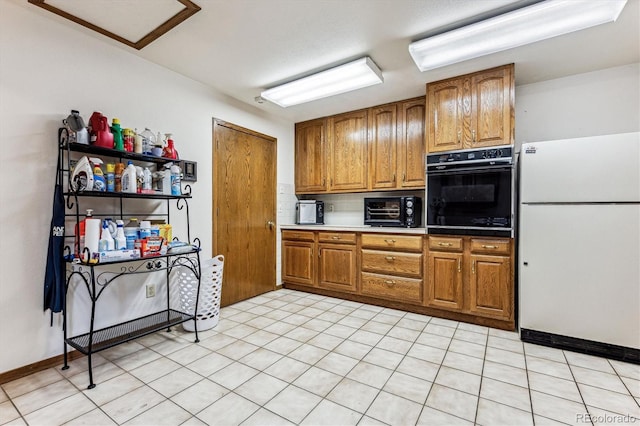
(97, 279)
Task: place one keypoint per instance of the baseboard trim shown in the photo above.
(588, 347)
(45, 364)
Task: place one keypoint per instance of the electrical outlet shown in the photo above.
(330, 207)
(151, 290)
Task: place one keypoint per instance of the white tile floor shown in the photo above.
(290, 357)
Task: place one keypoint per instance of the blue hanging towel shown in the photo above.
(55, 277)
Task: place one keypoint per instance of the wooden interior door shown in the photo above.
(244, 199)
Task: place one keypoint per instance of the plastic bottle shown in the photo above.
(145, 229)
(169, 151)
(106, 239)
(139, 179)
(137, 143)
(148, 140)
(120, 240)
(128, 138)
(80, 231)
(131, 233)
(129, 179)
(147, 180)
(118, 142)
(99, 182)
(111, 177)
(175, 180)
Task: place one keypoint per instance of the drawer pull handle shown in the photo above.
(445, 244)
(390, 282)
(390, 257)
(390, 241)
(489, 247)
(335, 237)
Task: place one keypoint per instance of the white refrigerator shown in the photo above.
(579, 241)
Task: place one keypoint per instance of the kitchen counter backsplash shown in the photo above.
(348, 209)
(356, 228)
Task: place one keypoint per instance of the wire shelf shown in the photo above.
(126, 331)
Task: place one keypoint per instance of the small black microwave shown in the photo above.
(405, 212)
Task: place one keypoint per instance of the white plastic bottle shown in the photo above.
(120, 240)
(147, 179)
(129, 178)
(106, 240)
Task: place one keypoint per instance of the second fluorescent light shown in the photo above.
(540, 21)
(344, 78)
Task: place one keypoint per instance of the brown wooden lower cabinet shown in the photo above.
(466, 278)
(337, 269)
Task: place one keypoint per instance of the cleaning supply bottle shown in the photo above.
(131, 232)
(128, 138)
(120, 240)
(139, 179)
(118, 176)
(147, 180)
(80, 232)
(175, 180)
(111, 177)
(129, 179)
(100, 134)
(118, 141)
(82, 176)
(106, 239)
(169, 151)
(99, 182)
(137, 142)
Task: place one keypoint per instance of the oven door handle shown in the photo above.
(467, 170)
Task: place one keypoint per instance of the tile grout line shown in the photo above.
(484, 358)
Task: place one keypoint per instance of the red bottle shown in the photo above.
(100, 134)
(169, 151)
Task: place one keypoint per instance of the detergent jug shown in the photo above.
(116, 130)
(100, 134)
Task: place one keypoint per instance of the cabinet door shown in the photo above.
(310, 157)
(382, 146)
(445, 115)
(490, 286)
(348, 145)
(337, 267)
(492, 107)
(445, 280)
(411, 144)
(298, 263)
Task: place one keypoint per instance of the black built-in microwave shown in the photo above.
(403, 212)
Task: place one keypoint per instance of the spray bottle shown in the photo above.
(99, 182)
(121, 240)
(106, 239)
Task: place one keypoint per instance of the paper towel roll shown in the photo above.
(92, 234)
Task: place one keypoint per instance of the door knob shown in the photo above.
(270, 224)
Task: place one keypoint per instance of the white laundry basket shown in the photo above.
(210, 291)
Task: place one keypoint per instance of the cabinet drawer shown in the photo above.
(337, 237)
(445, 243)
(490, 246)
(297, 235)
(390, 287)
(389, 262)
(390, 241)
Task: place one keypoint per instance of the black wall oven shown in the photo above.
(471, 192)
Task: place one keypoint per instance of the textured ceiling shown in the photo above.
(242, 47)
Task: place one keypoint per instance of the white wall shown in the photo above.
(47, 69)
(590, 104)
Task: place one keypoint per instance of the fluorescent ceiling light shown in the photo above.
(344, 78)
(537, 22)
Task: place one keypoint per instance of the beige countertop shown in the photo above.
(357, 228)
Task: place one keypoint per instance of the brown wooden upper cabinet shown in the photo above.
(348, 151)
(471, 111)
(311, 156)
(380, 148)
